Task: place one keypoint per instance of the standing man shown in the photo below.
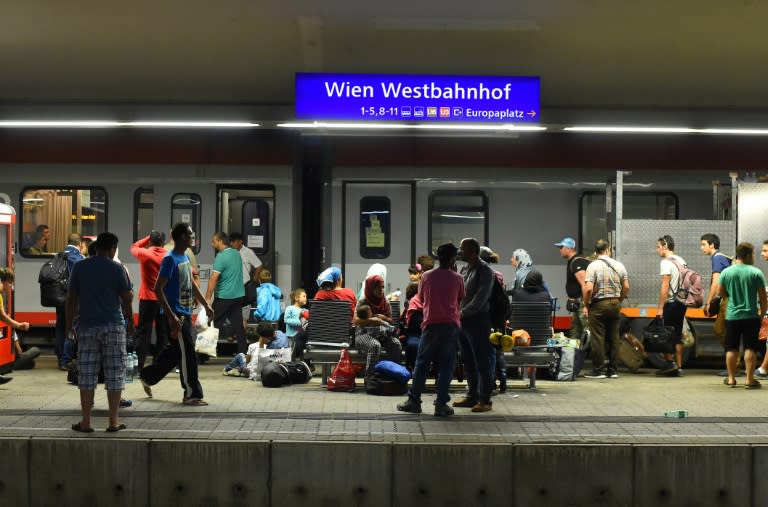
(476, 348)
(744, 285)
(669, 308)
(226, 284)
(441, 291)
(606, 285)
(100, 296)
(150, 252)
(250, 262)
(575, 272)
(762, 371)
(177, 292)
(65, 350)
(710, 245)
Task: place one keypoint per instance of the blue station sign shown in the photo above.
(405, 97)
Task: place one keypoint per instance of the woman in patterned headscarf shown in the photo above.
(523, 265)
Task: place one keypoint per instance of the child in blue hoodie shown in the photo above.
(268, 298)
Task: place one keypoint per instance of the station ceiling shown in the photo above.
(704, 55)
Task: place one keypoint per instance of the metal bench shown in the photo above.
(536, 318)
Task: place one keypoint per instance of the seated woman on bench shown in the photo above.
(372, 334)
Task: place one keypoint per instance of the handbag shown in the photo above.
(572, 305)
(719, 327)
(343, 376)
(658, 338)
(206, 341)
(763, 335)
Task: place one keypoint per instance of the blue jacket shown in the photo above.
(268, 298)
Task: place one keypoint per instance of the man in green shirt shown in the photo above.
(225, 288)
(744, 285)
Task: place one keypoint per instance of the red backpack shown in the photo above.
(689, 291)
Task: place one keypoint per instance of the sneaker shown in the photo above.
(443, 411)
(679, 372)
(411, 405)
(147, 387)
(759, 373)
(596, 374)
(482, 407)
(5, 380)
(125, 403)
(465, 403)
(612, 374)
(234, 372)
(669, 371)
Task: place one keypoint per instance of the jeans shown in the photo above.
(438, 343)
(238, 362)
(63, 352)
(476, 350)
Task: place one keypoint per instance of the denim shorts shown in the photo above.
(97, 346)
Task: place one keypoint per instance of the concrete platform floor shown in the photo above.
(629, 409)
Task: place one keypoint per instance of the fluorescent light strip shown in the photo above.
(740, 132)
(633, 130)
(403, 126)
(116, 124)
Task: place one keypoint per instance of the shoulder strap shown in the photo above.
(572, 260)
(730, 259)
(612, 268)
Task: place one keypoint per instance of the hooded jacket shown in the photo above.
(268, 298)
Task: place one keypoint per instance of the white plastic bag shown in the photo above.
(206, 341)
(202, 320)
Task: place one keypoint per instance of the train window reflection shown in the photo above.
(455, 215)
(50, 215)
(186, 208)
(143, 212)
(375, 233)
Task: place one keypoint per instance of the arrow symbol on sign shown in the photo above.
(532, 114)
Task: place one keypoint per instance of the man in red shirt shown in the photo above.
(441, 291)
(150, 252)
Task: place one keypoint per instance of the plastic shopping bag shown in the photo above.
(267, 356)
(206, 341)
(343, 376)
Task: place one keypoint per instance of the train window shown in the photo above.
(143, 212)
(50, 215)
(375, 234)
(186, 208)
(650, 205)
(455, 215)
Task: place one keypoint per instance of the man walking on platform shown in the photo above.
(65, 350)
(177, 293)
(441, 291)
(606, 285)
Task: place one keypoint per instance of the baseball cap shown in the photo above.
(330, 275)
(447, 250)
(567, 242)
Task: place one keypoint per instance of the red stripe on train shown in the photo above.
(48, 319)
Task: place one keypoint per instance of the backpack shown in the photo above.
(380, 383)
(274, 375)
(54, 280)
(498, 306)
(689, 291)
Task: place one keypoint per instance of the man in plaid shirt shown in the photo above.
(606, 285)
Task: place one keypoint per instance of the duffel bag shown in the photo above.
(381, 384)
(658, 338)
(395, 371)
(298, 372)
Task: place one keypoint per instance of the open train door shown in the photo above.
(7, 222)
(378, 227)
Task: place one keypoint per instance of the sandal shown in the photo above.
(82, 429)
(113, 429)
(754, 385)
(195, 402)
(729, 384)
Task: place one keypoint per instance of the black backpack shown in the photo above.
(274, 375)
(380, 383)
(499, 307)
(54, 280)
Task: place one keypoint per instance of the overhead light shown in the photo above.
(416, 126)
(741, 132)
(116, 124)
(632, 130)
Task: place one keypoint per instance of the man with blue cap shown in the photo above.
(575, 275)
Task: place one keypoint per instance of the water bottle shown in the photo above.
(526, 377)
(135, 366)
(130, 373)
(676, 414)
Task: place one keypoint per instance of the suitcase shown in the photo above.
(631, 353)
